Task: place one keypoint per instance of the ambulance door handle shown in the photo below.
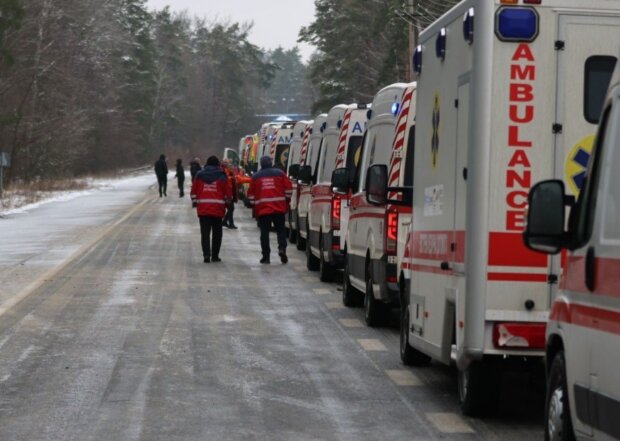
(590, 269)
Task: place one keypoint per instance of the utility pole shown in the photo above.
(413, 37)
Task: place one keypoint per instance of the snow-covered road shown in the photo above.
(36, 239)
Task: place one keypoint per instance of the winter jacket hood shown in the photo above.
(211, 174)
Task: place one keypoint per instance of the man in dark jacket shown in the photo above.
(180, 177)
(270, 193)
(161, 171)
(210, 193)
(194, 168)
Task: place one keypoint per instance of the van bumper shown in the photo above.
(335, 257)
(384, 274)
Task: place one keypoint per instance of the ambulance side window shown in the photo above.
(611, 205)
(409, 159)
(598, 72)
(358, 170)
(581, 222)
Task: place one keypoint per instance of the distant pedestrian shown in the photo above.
(229, 222)
(161, 171)
(180, 177)
(270, 193)
(210, 193)
(194, 167)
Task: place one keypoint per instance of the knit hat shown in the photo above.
(265, 162)
(213, 161)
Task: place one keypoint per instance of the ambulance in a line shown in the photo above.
(505, 90)
(300, 133)
(268, 132)
(308, 161)
(329, 212)
(321, 193)
(280, 138)
(370, 267)
(583, 333)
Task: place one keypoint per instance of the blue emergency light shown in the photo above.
(440, 44)
(395, 108)
(519, 24)
(417, 60)
(468, 26)
(339, 124)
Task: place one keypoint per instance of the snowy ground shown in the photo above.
(36, 238)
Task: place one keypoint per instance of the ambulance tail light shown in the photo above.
(391, 232)
(519, 335)
(532, 2)
(336, 205)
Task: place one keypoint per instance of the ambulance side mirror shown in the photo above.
(293, 171)
(546, 217)
(305, 175)
(376, 184)
(341, 181)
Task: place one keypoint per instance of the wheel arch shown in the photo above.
(555, 344)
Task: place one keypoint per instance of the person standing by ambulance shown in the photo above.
(270, 192)
(210, 194)
(229, 222)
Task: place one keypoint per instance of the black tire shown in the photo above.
(312, 263)
(479, 388)
(374, 311)
(558, 423)
(351, 296)
(409, 355)
(301, 242)
(327, 272)
(292, 233)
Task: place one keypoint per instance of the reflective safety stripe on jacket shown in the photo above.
(270, 191)
(211, 197)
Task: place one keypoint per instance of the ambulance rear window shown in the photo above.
(354, 152)
(598, 71)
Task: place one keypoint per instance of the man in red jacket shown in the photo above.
(210, 194)
(270, 192)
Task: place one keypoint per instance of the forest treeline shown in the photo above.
(96, 85)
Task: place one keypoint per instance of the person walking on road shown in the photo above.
(230, 207)
(210, 193)
(161, 171)
(180, 177)
(270, 192)
(194, 168)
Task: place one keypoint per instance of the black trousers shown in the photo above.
(210, 224)
(181, 183)
(264, 223)
(228, 219)
(163, 184)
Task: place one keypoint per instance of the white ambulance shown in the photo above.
(308, 161)
(300, 133)
(280, 144)
(329, 212)
(268, 135)
(321, 193)
(505, 88)
(370, 240)
(583, 333)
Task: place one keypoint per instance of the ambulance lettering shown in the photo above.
(357, 128)
(521, 113)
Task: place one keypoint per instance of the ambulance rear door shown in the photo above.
(587, 47)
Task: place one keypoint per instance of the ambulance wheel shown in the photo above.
(479, 388)
(327, 272)
(558, 424)
(301, 242)
(374, 311)
(409, 355)
(312, 263)
(350, 295)
(292, 233)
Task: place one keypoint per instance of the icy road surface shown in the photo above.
(112, 328)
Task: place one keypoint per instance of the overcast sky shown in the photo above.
(276, 22)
